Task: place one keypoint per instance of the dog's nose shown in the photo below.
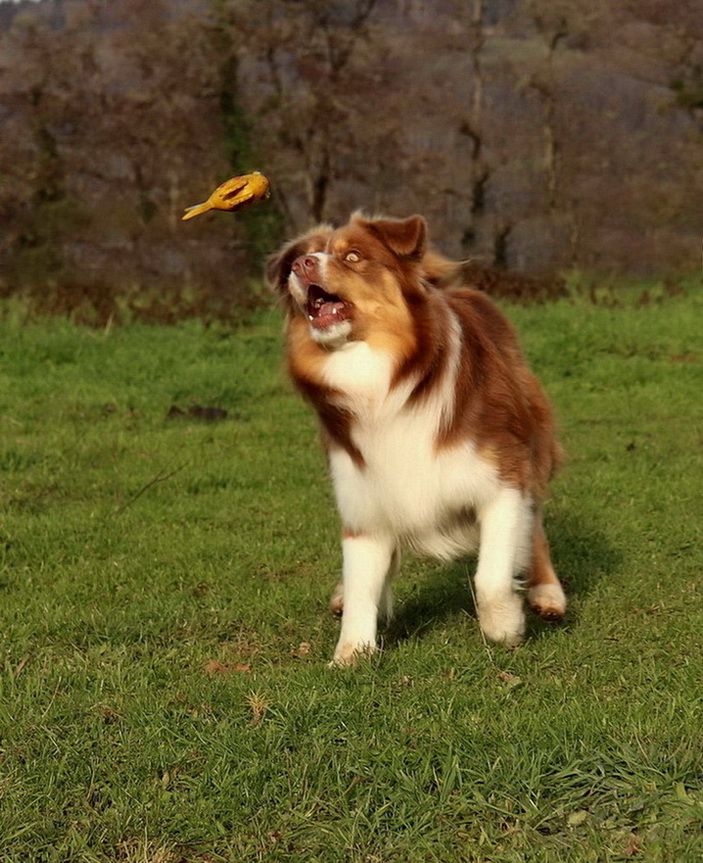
(305, 266)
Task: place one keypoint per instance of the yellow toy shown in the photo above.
(233, 194)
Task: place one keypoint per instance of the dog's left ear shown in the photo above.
(406, 237)
(278, 267)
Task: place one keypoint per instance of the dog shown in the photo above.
(438, 436)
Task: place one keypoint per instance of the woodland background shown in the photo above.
(535, 135)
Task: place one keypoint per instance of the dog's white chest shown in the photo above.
(405, 487)
(362, 374)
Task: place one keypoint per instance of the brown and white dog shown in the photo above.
(438, 435)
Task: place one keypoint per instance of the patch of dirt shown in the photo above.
(198, 412)
(214, 667)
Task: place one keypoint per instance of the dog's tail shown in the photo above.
(440, 271)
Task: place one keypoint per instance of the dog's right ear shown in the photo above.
(406, 238)
(280, 264)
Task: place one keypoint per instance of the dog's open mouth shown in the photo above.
(324, 310)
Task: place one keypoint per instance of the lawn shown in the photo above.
(164, 694)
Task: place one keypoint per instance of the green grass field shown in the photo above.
(164, 695)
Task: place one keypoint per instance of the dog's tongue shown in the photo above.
(329, 308)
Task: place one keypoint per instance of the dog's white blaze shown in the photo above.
(333, 336)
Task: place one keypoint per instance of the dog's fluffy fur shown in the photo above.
(438, 435)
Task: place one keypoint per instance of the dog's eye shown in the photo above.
(352, 257)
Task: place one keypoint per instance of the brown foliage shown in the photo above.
(534, 135)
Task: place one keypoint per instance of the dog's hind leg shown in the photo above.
(337, 599)
(385, 608)
(545, 594)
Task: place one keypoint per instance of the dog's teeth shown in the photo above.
(334, 311)
(310, 317)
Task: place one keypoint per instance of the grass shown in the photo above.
(164, 695)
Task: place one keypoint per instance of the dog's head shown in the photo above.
(354, 282)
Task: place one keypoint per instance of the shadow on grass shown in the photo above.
(581, 555)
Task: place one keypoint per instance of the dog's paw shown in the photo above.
(547, 600)
(337, 600)
(348, 653)
(503, 620)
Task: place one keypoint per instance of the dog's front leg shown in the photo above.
(504, 551)
(366, 564)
